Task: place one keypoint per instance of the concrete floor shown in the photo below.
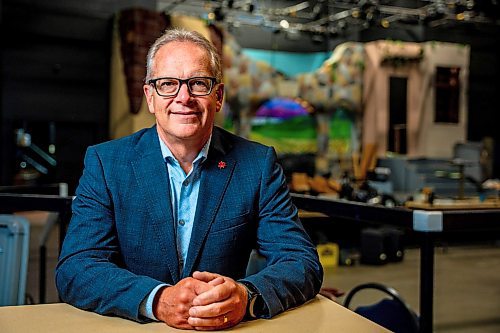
(467, 282)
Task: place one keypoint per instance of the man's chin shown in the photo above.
(187, 131)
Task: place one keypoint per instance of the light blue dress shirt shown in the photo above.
(184, 190)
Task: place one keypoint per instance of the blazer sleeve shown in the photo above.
(90, 273)
(293, 274)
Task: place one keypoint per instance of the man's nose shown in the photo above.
(183, 94)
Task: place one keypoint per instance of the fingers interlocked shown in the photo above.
(210, 323)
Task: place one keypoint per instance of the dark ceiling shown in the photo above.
(304, 26)
(317, 25)
(322, 16)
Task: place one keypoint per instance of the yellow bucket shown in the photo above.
(328, 254)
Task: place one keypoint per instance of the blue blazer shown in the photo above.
(120, 242)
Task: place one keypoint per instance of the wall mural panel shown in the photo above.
(254, 85)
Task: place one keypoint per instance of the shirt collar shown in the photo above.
(202, 155)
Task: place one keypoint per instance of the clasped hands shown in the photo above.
(205, 301)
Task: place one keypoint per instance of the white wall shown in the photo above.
(438, 139)
(425, 138)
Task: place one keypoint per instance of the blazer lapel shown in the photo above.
(152, 177)
(216, 174)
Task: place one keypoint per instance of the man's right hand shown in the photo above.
(171, 304)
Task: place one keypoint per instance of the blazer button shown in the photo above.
(181, 222)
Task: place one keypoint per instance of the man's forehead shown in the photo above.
(183, 45)
(178, 52)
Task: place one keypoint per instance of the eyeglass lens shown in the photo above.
(196, 85)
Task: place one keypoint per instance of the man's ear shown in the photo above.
(219, 94)
(149, 94)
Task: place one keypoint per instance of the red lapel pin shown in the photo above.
(221, 165)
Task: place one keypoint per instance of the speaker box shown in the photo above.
(393, 244)
(379, 246)
(372, 247)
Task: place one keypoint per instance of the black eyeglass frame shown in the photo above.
(213, 82)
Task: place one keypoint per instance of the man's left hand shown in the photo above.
(220, 307)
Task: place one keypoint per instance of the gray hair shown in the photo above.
(182, 35)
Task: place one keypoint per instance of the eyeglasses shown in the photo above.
(170, 86)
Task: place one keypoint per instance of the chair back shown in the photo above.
(392, 313)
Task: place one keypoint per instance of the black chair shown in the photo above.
(392, 313)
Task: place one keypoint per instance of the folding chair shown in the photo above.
(392, 313)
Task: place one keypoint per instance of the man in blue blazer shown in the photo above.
(164, 220)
